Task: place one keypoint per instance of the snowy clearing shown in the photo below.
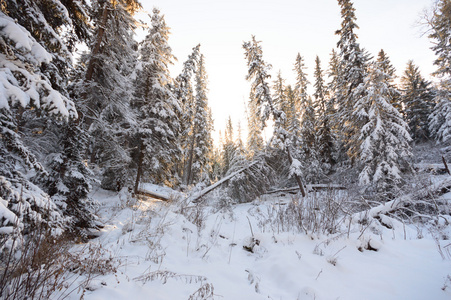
(161, 254)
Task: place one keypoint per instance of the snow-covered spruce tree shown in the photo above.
(309, 143)
(70, 179)
(417, 99)
(200, 148)
(389, 69)
(292, 115)
(280, 99)
(302, 83)
(228, 148)
(333, 73)
(158, 107)
(57, 26)
(440, 23)
(384, 146)
(440, 118)
(254, 138)
(258, 75)
(325, 137)
(103, 91)
(283, 132)
(184, 93)
(23, 87)
(353, 61)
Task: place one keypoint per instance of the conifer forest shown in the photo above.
(112, 185)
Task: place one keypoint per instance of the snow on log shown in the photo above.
(157, 192)
(208, 189)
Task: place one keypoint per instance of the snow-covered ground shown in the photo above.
(161, 253)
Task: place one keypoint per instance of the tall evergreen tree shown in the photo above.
(159, 109)
(258, 73)
(104, 93)
(417, 101)
(280, 100)
(440, 24)
(440, 124)
(201, 144)
(228, 147)
(26, 87)
(353, 61)
(185, 95)
(292, 115)
(440, 118)
(324, 124)
(387, 67)
(301, 84)
(254, 139)
(384, 149)
(309, 143)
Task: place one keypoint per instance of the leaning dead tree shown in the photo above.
(257, 73)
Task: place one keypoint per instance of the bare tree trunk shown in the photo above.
(189, 166)
(96, 49)
(140, 164)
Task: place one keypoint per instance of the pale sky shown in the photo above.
(285, 28)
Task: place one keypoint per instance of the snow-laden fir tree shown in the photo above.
(57, 25)
(333, 74)
(104, 92)
(384, 137)
(302, 83)
(184, 92)
(228, 147)
(158, 108)
(280, 99)
(292, 115)
(200, 146)
(254, 138)
(387, 67)
(440, 23)
(417, 99)
(440, 118)
(258, 75)
(70, 179)
(309, 155)
(24, 87)
(324, 134)
(353, 61)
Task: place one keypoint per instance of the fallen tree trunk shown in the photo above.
(434, 191)
(152, 195)
(310, 188)
(210, 188)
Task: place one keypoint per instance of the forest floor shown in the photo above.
(150, 249)
(279, 246)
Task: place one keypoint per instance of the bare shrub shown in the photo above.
(317, 213)
(42, 266)
(203, 293)
(34, 268)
